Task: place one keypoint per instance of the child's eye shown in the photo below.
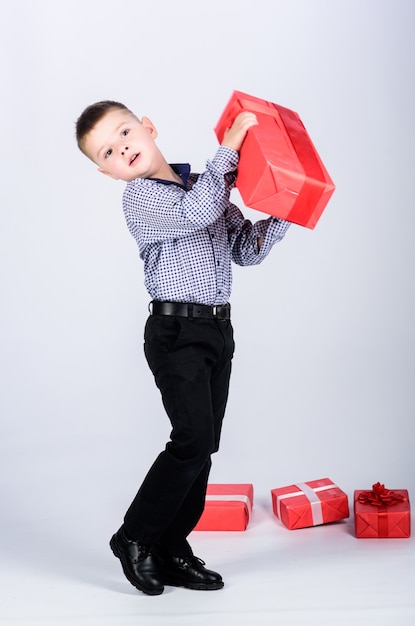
(125, 132)
(108, 153)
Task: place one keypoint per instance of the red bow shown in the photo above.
(379, 496)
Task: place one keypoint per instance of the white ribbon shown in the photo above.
(310, 493)
(233, 498)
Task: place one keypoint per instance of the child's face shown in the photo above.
(123, 147)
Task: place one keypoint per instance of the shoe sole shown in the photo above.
(117, 553)
(196, 586)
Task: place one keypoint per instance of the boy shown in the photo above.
(188, 233)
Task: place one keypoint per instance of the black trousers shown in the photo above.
(191, 362)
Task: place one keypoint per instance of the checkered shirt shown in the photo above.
(188, 235)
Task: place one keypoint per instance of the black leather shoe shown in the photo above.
(189, 572)
(139, 565)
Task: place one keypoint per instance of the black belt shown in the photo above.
(189, 309)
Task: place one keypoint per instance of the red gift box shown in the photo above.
(227, 507)
(382, 513)
(310, 504)
(280, 172)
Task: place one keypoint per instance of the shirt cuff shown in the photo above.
(226, 159)
(279, 226)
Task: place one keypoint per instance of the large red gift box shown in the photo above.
(280, 172)
(227, 507)
(310, 503)
(382, 513)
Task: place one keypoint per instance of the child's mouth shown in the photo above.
(134, 158)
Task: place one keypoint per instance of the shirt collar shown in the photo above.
(182, 169)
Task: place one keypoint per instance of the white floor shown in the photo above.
(321, 575)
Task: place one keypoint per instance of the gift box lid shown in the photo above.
(227, 507)
(234, 494)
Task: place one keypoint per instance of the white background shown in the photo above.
(323, 373)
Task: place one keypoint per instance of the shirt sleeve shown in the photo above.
(166, 211)
(244, 235)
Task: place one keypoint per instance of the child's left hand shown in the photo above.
(235, 135)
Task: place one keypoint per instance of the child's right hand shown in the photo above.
(235, 135)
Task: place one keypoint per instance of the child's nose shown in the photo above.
(124, 150)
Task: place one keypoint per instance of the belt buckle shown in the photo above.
(215, 311)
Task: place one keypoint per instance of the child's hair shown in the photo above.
(91, 116)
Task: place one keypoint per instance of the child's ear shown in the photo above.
(107, 173)
(149, 126)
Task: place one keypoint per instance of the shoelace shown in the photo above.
(187, 561)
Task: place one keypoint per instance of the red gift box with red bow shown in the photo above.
(280, 172)
(227, 507)
(382, 513)
(310, 504)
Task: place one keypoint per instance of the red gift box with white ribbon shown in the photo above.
(310, 504)
(227, 507)
(382, 513)
(280, 171)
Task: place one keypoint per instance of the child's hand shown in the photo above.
(235, 135)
